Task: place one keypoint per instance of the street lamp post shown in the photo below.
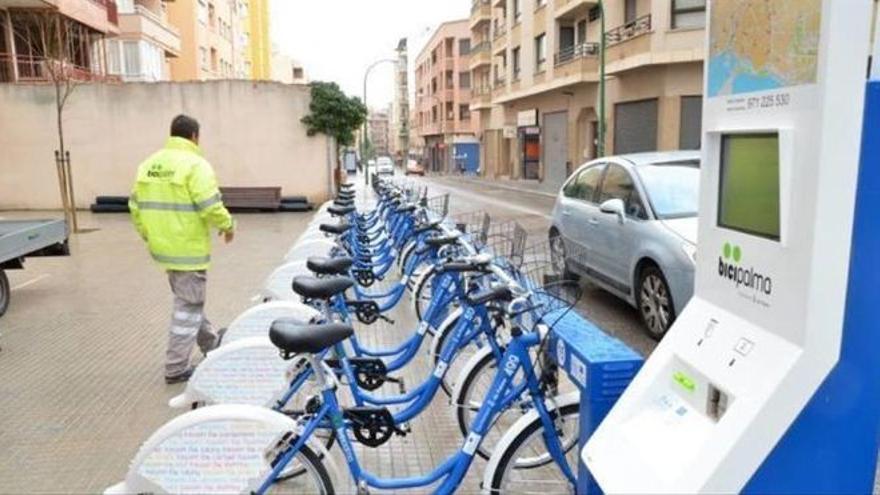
(600, 145)
(367, 120)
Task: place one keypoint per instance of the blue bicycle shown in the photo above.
(546, 443)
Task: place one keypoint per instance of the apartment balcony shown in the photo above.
(481, 98)
(579, 62)
(25, 68)
(499, 40)
(568, 10)
(98, 15)
(480, 55)
(628, 40)
(146, 24)
(481, 11)
(498, 3)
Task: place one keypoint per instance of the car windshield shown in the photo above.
(673, 188)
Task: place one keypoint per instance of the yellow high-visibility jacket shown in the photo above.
(174, 203)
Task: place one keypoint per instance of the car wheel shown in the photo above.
(655, 302)
(558, 257)
(4, 292)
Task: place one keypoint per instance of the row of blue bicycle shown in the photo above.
(297, 383)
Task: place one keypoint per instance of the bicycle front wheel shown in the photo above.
(526, 467)
(311, 476)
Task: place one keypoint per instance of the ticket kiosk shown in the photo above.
(768, 381)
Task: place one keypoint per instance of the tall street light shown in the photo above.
(600, 145)
(367, 120)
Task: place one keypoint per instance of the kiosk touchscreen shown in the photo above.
(729, 401)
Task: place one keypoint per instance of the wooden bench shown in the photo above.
(251, 198)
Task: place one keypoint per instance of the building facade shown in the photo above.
(146, 44)
(260, 45)
(378, 125)
(443, 100)
(211, 39)
(535, 68)
(400, 110)
(45, 40)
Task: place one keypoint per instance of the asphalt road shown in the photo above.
(532, 210)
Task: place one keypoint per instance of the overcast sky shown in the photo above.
(336, 40)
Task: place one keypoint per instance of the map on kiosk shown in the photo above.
(759, 45)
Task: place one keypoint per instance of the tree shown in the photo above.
(57, 51)
(333, 113)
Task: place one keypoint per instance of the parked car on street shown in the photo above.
(629, 225)
(414, 168)
(384, 165)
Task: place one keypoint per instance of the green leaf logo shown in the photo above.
(734, 252)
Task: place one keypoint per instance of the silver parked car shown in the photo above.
(629, 225)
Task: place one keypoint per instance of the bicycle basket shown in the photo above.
(474, 223)
(438, 205)
(507, 240)
(553, 292)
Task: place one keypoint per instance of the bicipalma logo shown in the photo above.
(157, 172)
(729, 267)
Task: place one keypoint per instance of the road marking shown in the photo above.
(30, 282)
(512, 206)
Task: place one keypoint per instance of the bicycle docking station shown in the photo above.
(601, 366)
(767, 382)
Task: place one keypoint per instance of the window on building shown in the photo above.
(464, 112)
(516, 55)
(540, 3)
(433, 85)
(212, 16)
(450, 80)
(298, 73)
(594, 14)
(464, 80)
(517, 11)
(629, 11)
(448, 44)
(688, 14)
(114, 57)
(450, 111)
(214, 59)
(132, 58)
(203, 56)
(434, 114)
(464, 46)
(540, 52)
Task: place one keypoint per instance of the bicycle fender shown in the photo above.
(278, 283)
(469, 367)
(447, 325)
(517, 428)
(256, 320)
(253, 430)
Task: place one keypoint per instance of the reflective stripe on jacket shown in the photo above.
(174, 203)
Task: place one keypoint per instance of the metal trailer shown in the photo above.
(20, 239)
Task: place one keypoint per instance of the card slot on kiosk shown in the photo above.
(740, 396)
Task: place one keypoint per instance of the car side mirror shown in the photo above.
(614, 207)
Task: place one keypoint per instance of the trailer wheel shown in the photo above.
(4, 292)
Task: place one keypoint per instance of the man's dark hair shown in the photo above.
(184, 126)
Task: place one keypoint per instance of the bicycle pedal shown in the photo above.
(403, 429)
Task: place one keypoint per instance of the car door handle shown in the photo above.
(593, 221)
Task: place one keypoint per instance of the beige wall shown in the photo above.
(251, 133)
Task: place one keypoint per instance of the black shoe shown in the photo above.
(181, 378)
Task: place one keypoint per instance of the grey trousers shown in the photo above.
(188, 322)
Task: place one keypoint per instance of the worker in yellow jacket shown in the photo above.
(174, 203)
